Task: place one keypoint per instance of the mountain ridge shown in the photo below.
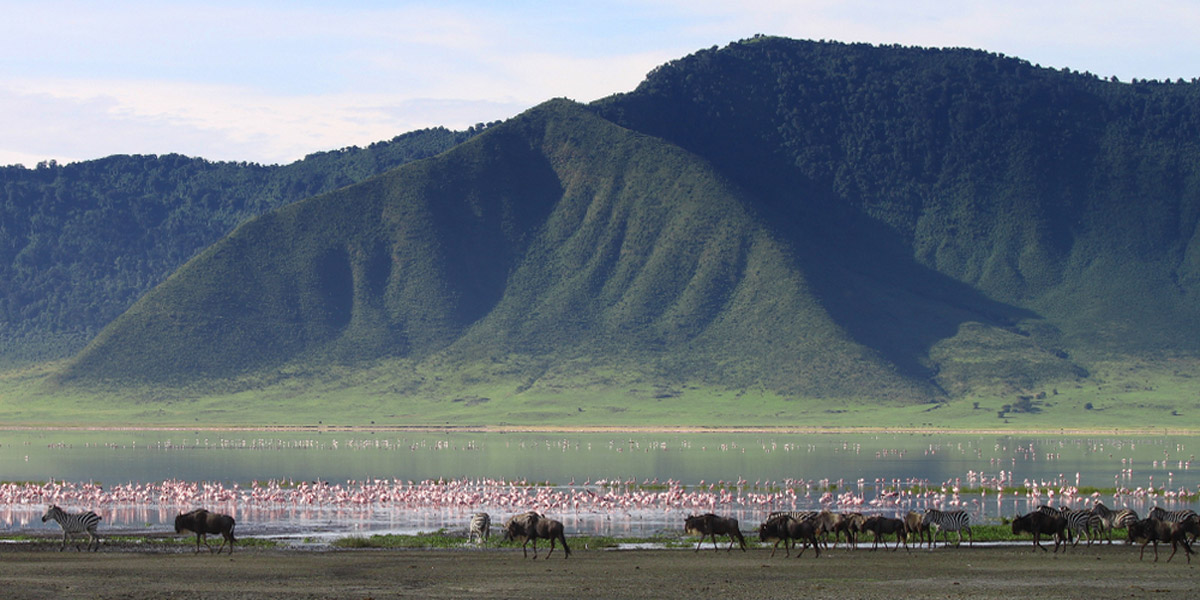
(815, 220)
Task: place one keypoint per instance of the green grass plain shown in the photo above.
(1141, 397)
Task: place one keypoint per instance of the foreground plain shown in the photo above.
(993, 572)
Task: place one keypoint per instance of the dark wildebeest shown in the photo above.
(1038, 523)
(881, 526)
(914, 522)
(827, 522)
(785, 528)
(530, 526)
(201, 522)
(852, 525)
(1153, 530)
(710, 524)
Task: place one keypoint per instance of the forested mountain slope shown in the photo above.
(79, 243)
(1070, 195)
(813, 219)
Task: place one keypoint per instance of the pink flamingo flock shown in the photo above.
(441, 503)
(596, 506)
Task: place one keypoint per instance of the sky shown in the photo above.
(273, 81)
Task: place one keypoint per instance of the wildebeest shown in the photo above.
(881, 526)
(850, 524)
(202, 522)
(709, 524)
(914, 522)
(530, 526)
(1038, 523)
(1175, 516)
(784, 528)
(1153, 530)
(827, 522)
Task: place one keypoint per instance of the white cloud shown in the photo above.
(79, 119)
(270, 81)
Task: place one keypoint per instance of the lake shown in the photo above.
(322, 485)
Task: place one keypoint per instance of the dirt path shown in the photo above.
(1095, 574)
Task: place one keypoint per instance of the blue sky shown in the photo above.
(271, 81)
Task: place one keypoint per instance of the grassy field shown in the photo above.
(1126, 397)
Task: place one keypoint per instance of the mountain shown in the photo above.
(79, 243)
(811, 219)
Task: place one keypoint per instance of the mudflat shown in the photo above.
(1095, 573)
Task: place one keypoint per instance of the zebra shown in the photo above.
(1081, 523)
(796, 515)
(1113, 519)
(951, 520)
(481, 528)
(1174, 516)
(73, 523)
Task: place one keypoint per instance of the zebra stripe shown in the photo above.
(1081, 523)
(1175, 516)
(799, 516)
(1113, 519)
(481, 527)
(73, 523)
(945, 521)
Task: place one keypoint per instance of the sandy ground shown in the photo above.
(998, 572)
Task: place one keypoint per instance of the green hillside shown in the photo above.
(557, 235)
(769, 231)
(1073, 197)
(79, 243)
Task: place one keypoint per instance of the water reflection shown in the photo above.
(336, 485)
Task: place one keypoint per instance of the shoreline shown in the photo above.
(593, 429)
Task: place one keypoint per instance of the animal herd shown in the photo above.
(199, 521)
(1065, 526)
(813, 528)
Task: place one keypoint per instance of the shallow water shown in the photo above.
(573, 478)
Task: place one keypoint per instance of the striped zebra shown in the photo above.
(73, 523)
(951, 520)
(1081, 523)
(1113, 519)
(796, 515)
(481, 528)
(1174, 516)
